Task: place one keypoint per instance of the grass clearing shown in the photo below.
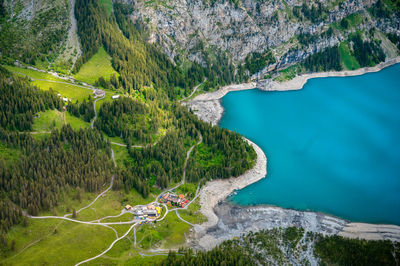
(348, 60)
(9, 155)
(98, 66)
(107, 4)
(206, 158)
(59, 242)
(48, 120)
(107, 205)
(121, 155)
(72, 92)
(169, 233)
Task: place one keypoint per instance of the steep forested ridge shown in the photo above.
(139, 62)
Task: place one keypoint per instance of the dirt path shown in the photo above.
(110, 247)
(193, 92)
(55, 81)
(95, 112)
(98, 196)
(183, 220)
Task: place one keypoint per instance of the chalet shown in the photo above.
(128, 207)
(99, 93)
(115, 97)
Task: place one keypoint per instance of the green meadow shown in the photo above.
(107, 5)
(97, 66)
(48, 120)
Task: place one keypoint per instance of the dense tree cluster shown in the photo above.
(315, 13)
(228, 253)
(129, 119)
(367, 53)
(19, 102)
(112, 83)
(232, 155)
(257, 61)
(329, 59)
(307, 38)
(47, 168)
(394, 38)
(343, 251)
(84, 110)
(384, 9)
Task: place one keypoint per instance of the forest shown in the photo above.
(257, 61)
(129, 119)
(367, 53)
(44, 169)
(275, 246)
(84, 110)
(329, 59)
(20, 102)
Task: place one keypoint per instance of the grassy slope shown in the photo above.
(69, 244)
(98, 66)
(107, 5)
(76, 123)
(349, 62)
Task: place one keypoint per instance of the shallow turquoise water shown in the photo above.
(333, 146)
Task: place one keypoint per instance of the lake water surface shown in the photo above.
(333, 146)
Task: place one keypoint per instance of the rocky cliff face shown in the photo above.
(194, 29)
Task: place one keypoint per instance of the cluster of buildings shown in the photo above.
(153, 210)
(174, 199)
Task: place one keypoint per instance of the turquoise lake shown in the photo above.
(332, 147)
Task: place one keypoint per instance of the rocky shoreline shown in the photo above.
(226, 221)
(208, 106)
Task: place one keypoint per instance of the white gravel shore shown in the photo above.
(215, 191)
(208, 108)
